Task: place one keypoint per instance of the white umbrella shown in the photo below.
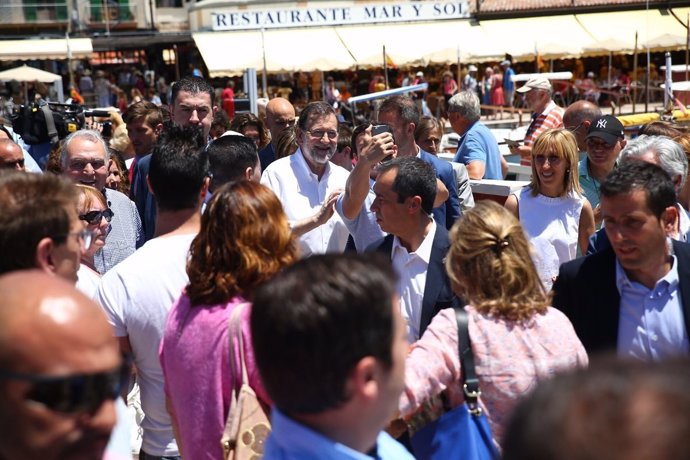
(26, 73)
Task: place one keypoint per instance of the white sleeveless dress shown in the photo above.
(552, 226)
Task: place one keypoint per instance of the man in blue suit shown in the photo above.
(401, 114)
(405, 191)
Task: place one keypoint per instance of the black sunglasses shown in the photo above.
(94, 217)
(74, 393)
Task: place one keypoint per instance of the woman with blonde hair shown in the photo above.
(557, 217)
(95, 213)
(517, 338)
(244, 240)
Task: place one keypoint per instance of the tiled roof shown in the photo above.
(505, 6)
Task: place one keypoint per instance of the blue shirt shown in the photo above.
(479, 143)
(508, 83)
(290, 440)
(651, 325)
(590, 186)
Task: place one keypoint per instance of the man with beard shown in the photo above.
(308, 184)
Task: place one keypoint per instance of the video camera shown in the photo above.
(43, 122)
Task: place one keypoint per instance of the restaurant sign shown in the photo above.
(245, 19)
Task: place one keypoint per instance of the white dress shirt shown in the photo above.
(412, 268)
(302, 194)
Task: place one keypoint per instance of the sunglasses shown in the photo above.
(73, 393)
(12, 164)
(94, 217)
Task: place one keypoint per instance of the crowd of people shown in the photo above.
(316, 269)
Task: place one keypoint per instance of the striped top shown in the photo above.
(551, 117)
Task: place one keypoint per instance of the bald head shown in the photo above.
(11, 155)
(280, 115)
(50, 338)
(578, 117)
(31, 318)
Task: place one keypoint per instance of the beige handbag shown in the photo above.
(247, 426)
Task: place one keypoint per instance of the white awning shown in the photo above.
(447, 41)
(24, 50)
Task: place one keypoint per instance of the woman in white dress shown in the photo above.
(556, 216)
(96, 214)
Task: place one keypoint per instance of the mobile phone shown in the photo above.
(378, 129)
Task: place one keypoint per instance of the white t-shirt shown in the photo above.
(302, 193)
(87, 281)
(137, 295)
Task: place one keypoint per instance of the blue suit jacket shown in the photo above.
(266, 156)
(143, 198)
(586, 292)
(448, 212)
(438, 294)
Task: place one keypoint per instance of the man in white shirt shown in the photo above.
(307, 183)
(138, 293)
(405, 190)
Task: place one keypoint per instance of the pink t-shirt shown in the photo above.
(195, 358)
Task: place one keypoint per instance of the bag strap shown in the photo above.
(50, 123)
(470, 382)
(235, 331)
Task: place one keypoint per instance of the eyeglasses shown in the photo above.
(284, 122)
(552, 159)
(12, 164)
(573, 130)
(73, 393)
(80, 163)
(85, 237)
(319, 133)
(94, 217)
(593, 144)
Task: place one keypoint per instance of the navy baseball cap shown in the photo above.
(608, 128)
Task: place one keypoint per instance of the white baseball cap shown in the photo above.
(535, 83)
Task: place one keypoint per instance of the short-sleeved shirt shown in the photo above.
(479, 143)
(551, 117)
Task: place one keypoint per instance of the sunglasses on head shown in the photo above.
(94, 217)
(73, 393)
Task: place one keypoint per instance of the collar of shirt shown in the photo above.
(423, 252)
(303, 167)
(299, 441)
(549, 107)
(667, 283)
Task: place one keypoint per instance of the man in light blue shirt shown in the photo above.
(477, 149)
(633, 297)
(330, 344)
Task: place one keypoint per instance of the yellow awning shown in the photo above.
(24, 50)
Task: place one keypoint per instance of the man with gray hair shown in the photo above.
(477, 148)
(669, 156)
(545, 115)
(84, 160)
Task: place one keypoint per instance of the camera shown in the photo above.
(43, 122)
